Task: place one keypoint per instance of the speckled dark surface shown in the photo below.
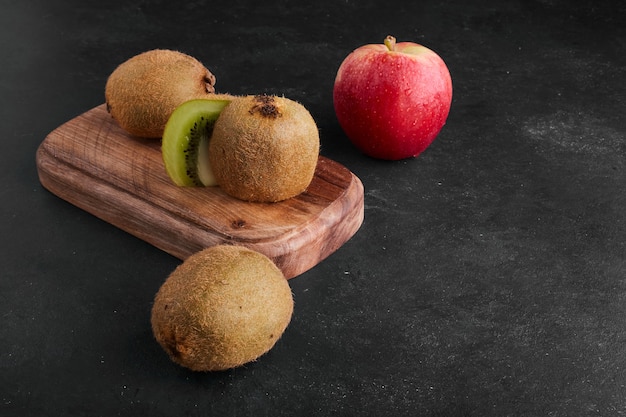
(488, 278)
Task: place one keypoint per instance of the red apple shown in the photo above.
(392, 99)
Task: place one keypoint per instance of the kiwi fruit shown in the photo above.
(185, 142)
(264, 148)
(142, 92)
(223, 307)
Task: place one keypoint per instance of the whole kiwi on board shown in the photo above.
(142, 92)
(221, 308)
(264, 148)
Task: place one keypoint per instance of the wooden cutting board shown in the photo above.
(92, 163)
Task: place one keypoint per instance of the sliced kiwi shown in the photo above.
(185, 142)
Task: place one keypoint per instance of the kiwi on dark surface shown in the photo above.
(142, 92)
(223, 307)
(185, 142)
(264, 148)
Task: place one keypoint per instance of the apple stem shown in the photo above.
(390, 43)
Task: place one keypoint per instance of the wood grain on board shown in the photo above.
(92, 163)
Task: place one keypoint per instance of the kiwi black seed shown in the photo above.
(185, 142)
(221, 308)
(264, 148)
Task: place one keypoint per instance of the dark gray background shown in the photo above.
(488, 278)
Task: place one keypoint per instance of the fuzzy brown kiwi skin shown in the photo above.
(221, 308)
(142, 92)
(264, 148)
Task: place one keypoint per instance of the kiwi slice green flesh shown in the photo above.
(185, 142)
